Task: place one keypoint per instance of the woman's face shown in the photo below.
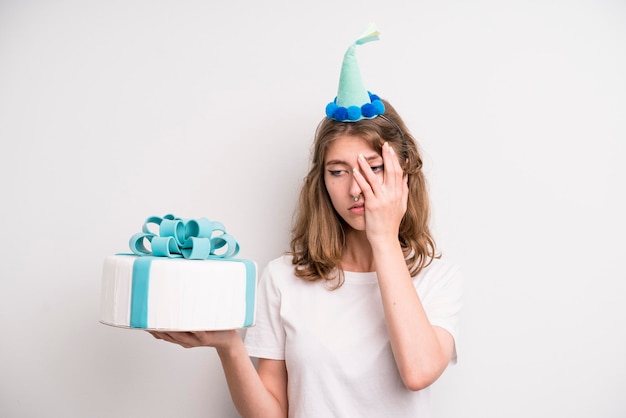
(341, 159)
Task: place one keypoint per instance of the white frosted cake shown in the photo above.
(179, 289)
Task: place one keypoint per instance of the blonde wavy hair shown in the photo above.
(318, 232)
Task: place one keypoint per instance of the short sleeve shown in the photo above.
(441, 290)
(266, 339)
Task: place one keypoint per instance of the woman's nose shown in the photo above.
(355, 189)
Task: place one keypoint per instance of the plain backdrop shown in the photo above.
(113, 111)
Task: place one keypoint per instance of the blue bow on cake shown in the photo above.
(193, 239)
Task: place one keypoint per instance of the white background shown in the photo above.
(112, 111)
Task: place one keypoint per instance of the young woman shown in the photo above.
(361, 316)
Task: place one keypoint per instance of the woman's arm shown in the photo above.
(421, 350)
(255, 393)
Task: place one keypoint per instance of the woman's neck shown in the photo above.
(357, 253)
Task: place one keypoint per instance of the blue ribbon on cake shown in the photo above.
(193, 239)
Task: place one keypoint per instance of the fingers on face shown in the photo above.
(392, 163)
(393, 174)
(364, 175)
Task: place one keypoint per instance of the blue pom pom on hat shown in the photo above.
(354, 102)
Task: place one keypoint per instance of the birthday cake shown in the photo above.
(185, 277)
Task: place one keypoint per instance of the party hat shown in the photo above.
(354, 102)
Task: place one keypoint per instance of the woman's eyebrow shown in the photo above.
(336, 162)
(368, 158)
(373, 157)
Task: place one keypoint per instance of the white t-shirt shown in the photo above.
(335, 342)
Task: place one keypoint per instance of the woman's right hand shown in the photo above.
(191, 339)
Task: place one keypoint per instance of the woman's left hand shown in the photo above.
(386, 199)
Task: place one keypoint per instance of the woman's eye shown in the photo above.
(378, 168)
(335, 173)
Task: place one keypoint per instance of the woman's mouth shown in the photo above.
(357, 208)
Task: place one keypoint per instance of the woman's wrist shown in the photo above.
(385, 244)
(230, 342)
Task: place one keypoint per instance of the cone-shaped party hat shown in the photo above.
(354, 102)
